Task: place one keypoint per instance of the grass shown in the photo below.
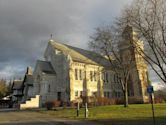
(117, 114)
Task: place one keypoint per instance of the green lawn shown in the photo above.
(118, 115)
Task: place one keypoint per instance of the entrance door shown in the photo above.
(59, 96)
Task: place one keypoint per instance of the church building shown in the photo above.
(69, 73)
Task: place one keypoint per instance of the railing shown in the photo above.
(5, 104)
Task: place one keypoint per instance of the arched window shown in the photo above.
(80, 74)
(76, 74)
(106, 76)
(49, 88)
(91, 75)
(95, 76)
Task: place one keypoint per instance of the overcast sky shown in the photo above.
(26, 25)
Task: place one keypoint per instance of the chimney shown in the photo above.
(29, 70)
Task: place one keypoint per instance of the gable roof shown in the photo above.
(99, 59)
(28, 79)
(45, 67)
(81, 55)
(17, 84)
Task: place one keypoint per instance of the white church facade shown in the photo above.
(69, 73)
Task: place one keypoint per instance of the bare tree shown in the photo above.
(103, 42)
(148, 18)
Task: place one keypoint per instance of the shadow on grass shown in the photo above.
(35, 123)
(143, 121)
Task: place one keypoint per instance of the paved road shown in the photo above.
(35, 118)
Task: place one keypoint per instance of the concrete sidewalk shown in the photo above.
(8, 109)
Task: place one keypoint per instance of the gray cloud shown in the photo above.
(26, 25)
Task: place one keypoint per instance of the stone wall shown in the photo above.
(89, 87)
(60, 63)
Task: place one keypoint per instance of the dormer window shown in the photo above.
(58, 51)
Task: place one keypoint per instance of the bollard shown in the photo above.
(86, 110)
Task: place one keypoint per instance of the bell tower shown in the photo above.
(131, 48)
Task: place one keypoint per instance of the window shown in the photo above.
(58, 52)
(95, 76)
(107, 94)
(118, 94)
(49, 88)
(116, 78)
(91, 75)
(39, 88)
(94, 94)
(81, 93)
(76, 93)
(104, 94)
(80, 74)
(38, 77)
(59, 96)
(76, 74)
(106, 76)
(103, 76)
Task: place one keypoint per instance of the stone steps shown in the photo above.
(33, 102)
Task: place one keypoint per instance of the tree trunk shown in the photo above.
(125, 92)
(126, 99)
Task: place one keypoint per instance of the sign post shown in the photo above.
(151, 91)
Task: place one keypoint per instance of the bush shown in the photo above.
(105, 101)
(159, 100)
(114, 101)
(73, 104)
(119, 101)
(52, 104)
(135, 100)
(49, 105)
(131, 100)
(99, 101)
